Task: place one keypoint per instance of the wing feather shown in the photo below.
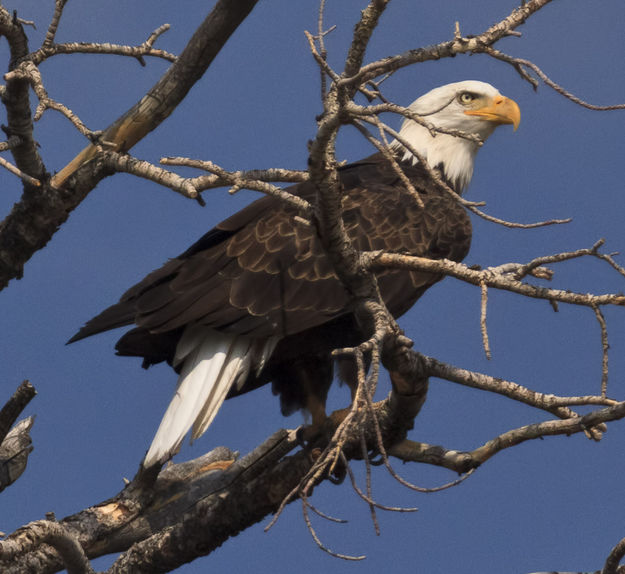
(262, 269)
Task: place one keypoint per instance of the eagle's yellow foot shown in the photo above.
(337, 417)
(322, 426)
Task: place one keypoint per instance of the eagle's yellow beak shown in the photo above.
(500, 110)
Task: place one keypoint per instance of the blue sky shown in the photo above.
(550, 504)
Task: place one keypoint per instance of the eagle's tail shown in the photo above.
(212, 363)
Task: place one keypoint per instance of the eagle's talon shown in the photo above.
(306, 435)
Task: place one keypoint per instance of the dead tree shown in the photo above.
(162, 520)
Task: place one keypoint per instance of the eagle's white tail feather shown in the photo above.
(212, 362)
(262, 354)
(236, 366)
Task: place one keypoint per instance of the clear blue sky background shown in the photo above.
(550, 504)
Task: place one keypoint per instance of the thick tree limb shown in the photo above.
(53, 534)
(14, 452)
(611, 565)
(15, 443)
(14, 406)
(17, 103)
(193, 507)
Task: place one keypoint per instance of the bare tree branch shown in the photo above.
(14, 406)
(52, 207)
(54, 23)
(458, 45)
(611, 565)
(375, 260)
(549, 428)
(138, 52)
(31, 536)
(256, 180)
(17, 102)
(122, 162)
(14, 452)
(520, 64)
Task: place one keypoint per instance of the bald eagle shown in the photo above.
(256, 300)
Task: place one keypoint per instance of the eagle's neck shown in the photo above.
(453, 155)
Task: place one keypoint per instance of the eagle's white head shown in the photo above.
(470, 107)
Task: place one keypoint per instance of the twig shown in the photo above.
(483, 329)
(536, 266)
(375, 92)
(514, 225)
(221, 177)
(548, 428)
(256, 180)
(367, 497)
(54, 23)
(324, 67)
(388, 154)
(520, 64)
(423, 489)
(374, 111)
(324, 515)
(605, 346)
(122, 162)
(557, 406)
(49, 49)
(317, 540)
(323, 53)
(29, 72)
(385, 460)
(19, 173)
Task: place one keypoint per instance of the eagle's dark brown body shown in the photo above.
(263, 273)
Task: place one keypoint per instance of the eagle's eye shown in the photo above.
(466, 97)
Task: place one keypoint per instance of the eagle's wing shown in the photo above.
(263, 272)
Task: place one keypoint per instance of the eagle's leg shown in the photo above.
(317, 409)
(348, 374)
(315, 381)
